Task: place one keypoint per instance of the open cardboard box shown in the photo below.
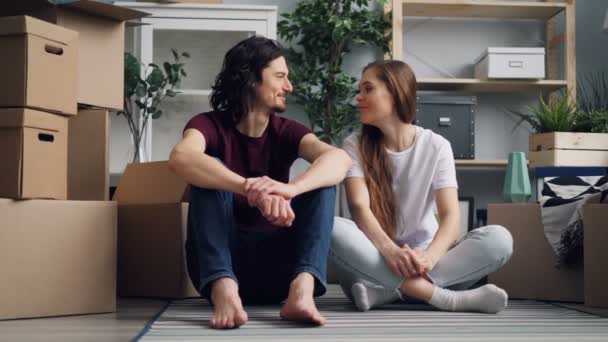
(101, 54)
(531, 271)
(33, 154)
(40, 62)
(57, 258)
(152, 222)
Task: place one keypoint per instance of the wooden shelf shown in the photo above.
(492, 86)
(481, 9)
(481, 163)
(544, 11)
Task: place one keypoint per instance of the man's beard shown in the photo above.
(279, 108)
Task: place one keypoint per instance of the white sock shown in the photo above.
(488, 298)
(369, 296)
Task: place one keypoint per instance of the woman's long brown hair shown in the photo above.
(401, 83)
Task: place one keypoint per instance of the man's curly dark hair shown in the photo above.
(233, 91)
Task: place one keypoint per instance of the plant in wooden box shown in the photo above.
(561, 135)
(145, 88)
(324, 32)
(592, 103)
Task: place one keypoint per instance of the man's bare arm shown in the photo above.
(189, 161)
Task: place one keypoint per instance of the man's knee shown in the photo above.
(204, 195)
(319, 201)
(324, 194)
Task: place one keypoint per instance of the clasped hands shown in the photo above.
(272, 199)
(409, 262)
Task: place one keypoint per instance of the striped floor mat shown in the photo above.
(186, 320)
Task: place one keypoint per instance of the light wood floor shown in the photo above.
(130, 318)
(124, 325)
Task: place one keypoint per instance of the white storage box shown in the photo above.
(510, 62)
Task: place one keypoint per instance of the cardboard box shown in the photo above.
(39, 65)
(152, 228)
(101, 54)
(531, 271)
(595, 221)
(88, 155)
(57, 258)
(568, 149)
(33, 154)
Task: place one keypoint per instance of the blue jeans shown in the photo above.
(262, 262)
(477, 254)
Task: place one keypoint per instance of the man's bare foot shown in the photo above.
(300, 305)
(228, 310)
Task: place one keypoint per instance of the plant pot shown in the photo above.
(568, 149)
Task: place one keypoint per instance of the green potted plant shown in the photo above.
(557, 115)
(565, 135)
(324, 32)
(592, 103)
(145, 88)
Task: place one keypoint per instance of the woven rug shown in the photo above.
(186, 320)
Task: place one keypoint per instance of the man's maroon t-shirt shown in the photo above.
(270, 155)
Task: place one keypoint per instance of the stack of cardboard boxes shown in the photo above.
(63, 72)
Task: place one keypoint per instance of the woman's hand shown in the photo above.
(426, 261)
(402, 261)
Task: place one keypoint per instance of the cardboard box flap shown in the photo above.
(21, 24)
(95, 8)
(25, 117)
(105, 10)
(150, 183)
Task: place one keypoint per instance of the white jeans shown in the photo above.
(478, 253)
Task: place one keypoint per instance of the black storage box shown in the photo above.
(453, 117)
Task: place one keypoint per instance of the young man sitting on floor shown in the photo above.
(254, 236)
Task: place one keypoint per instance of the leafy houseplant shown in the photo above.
(592, 103)
(593, 122)
(145, 88)
(588, 115)
(592, 92)
(557, 116)
(324, 32)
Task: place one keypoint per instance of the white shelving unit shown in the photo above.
(204, 31)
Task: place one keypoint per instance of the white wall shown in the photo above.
(591, 42)
(452, 45)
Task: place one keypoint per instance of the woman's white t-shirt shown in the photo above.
(426, 166)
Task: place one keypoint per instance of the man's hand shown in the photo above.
(276, 210)
(258, 188)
